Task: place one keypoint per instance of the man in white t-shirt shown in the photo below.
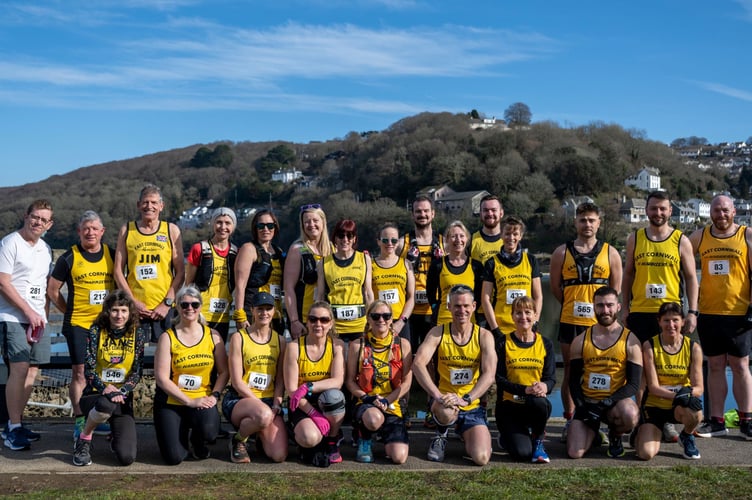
(25, 262)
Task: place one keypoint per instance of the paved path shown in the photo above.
(52, 454)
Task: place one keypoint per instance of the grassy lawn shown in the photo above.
(615, 482)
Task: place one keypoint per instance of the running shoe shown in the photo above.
(539, 453)
(365, 452)
(565, 431)
(78, 427)
(670, 434)
(436, 450)
(429, 422)
(711, 428)
(690, 449)
(102, 429)
(82, 453)
(745, 428)
(25, 431)
(16, 440)
(200, 453)
(334, 455)
(239, 452)
(615, 447)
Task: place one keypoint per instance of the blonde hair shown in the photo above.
(324, 244)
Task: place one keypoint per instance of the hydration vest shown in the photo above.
(205, 271)
(367, 373)
(585, 263)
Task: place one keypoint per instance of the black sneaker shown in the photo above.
(687, 442)
(615, 447)
(82, 453)
(745, 428)
(711, 428)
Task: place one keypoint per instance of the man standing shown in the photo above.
(605, 371)
(725, 322)
(578, 268)
(660, 268)
(150, 251)
(87, 270)
(25, 261)
(419, 248)
(487, 242)
(466, 367)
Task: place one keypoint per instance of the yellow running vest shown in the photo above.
(426, 255)
(657, 272)
(313, 370)
(149, 263)
(260, 363)
(345, 292)
(447, 279)
(92, 281)
(217, 298)
(191, 367)
(389, 284)
(115, 358)
(524, 365)
(274, 285)
(577, 307)
(672, 369)
(459, 365)
(510, 283)
(605, 370)
(483, 247)
(724, 287)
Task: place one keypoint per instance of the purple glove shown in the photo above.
(296, 396)
(321, 422)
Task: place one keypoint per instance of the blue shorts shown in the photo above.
(469, 419)
(232, 398)
(393, 430)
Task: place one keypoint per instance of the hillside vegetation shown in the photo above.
(371, 177)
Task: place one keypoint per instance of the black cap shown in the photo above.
(262, 299)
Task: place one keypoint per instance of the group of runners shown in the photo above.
(458, 312)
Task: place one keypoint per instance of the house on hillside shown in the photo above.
(569, 205)
(647, 179)
(682, 213)
(633, 210)
(464, 202)
(701, 207)
(286, 176)
(436, 192)
(486, 123)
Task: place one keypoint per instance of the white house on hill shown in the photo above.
(647, 179)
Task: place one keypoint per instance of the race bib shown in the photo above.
(461, 376)
(258, 381)
(275, 291)
(513, 293)
(599, 382)
(35, 293)
(96, 297)
(146, 272)
(390, 296)
(347, 313)
(718, 267)
(583, 310)
(190, 382)
(655, 291)
(421, 297)
(218, 305)
(673, 388)
(113, 375)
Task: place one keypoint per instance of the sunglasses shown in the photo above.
(343, 236)
(384, 316)
(186, 305)
(310, 206)
(324, 320)
(386, 241)
(265, 225)
(460, 288)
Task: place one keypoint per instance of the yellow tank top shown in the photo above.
(524, 365)
(447, 279)
(344, 281)
(115, 358)
(260, 363)
(149, 263)
(92, 281)
(309, 290)
(422, 307)
(313, 370)
(724, 267)
(657, 272)
(389, 284)
(191, 367)
(510, 283)
(483, 247)
(274, 285)
(577, 307)
(605, 369)
(459, 365)
(217, 298)
(672, 369)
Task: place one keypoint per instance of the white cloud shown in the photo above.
(722, 89)
(746, 5)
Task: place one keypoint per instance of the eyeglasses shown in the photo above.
(384, 316)
(186, 305)
(343, 236)
(265, 225)
(324, 320)
(460, 288)
(386, 241)
(310, 206)
(37, 218)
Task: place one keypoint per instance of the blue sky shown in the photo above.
(83, 83)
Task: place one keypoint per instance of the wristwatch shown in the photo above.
(168, 301)
(467, 398)
(693, 311)
(216, 395)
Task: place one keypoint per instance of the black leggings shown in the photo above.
(122, 424)
(177, 425)
(516, 423)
